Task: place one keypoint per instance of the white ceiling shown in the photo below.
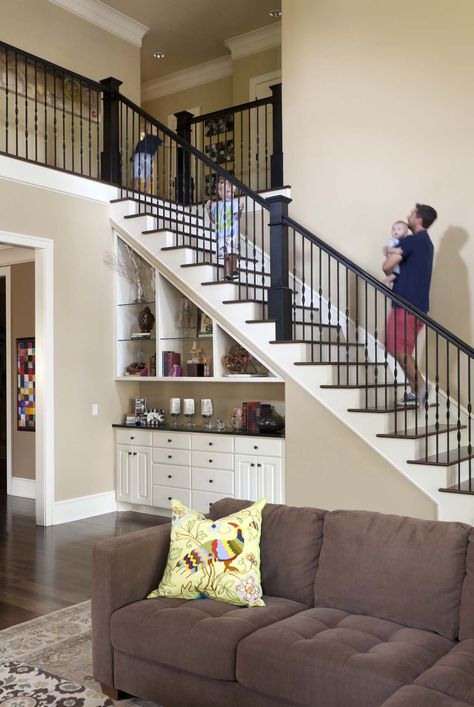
(191, 31)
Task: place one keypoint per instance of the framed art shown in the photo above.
(217, 126)
(222, 151)
(204, 324)
(25, 370)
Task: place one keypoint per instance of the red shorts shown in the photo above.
(402, 330)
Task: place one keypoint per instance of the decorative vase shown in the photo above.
(146, 320)
(271, 421)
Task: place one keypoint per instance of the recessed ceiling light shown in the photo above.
(275, 13)
(158, 55)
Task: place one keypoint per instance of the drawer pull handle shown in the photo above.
(259, 465)
(134, 454)
(210, 461)
(170, 456)
(211, 443)
(129, 454)
(132, 437)
(170, 498)
(170, 440)
(255, 446)
(170, 476)
(211, 504)
(211, 481)
(252, 464)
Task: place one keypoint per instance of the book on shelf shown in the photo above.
(170, 359)
(244, 375)
(250, 415)
(140, 335)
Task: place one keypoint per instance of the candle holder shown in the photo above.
(175, 411)
(206, 413)
(188, 410)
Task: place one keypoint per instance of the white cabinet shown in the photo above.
(198, 468)
(134, 474)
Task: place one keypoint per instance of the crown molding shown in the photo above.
(187, 78)
(106, 18)
(256, 41)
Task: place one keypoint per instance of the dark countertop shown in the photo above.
(227, 431)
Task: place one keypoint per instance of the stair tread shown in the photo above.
(462, 488)
(250, 285)
(377, 410)
(449, 458)
(339, 363)
(360, 386)
(260, 321)
(181, 222)
(239, 301)
(421, 433)
(323, 342)
(200, 250)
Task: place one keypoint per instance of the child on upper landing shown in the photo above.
(225, 215)
(400, 230)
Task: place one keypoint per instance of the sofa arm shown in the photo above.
(125, 569)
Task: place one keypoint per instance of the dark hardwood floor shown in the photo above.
(45, 569)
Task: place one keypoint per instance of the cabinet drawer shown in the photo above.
(257, 445)
(167, 475)
(161, 496)
(171, 456)
(212, 443)
(202, 501)
(172, 440)
(133, 436)
(213, 481)
(212, 460)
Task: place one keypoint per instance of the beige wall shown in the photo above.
(377, 115)
(22, 312)
(250, 66)
(52, 33)
(328, 466)
(208, 97)
(83, 330)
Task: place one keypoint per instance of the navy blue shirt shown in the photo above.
(413, 282)
(148, 145)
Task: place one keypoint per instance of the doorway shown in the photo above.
(3, 386)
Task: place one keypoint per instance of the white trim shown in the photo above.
(26, 488)
(13, 256)
(187, 78)
(44, 323)
(54, 180)
(84, 507)
(272, 77)
(5, 272)
(256, 41)
(107, 18)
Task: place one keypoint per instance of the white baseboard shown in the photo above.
(84, 507)
(26, 488)
(150, 510)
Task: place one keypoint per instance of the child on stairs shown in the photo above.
(225, 215)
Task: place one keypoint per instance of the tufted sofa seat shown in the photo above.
(362, 610)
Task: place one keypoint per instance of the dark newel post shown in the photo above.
(110, 158)
(279, 294)
(184, 185)
(276, 160)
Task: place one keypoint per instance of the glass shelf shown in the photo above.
(135, 304)
(186, 338)
(138, 341)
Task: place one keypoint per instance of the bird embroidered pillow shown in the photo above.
(214, 559)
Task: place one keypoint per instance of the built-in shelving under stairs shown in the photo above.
(365, 396)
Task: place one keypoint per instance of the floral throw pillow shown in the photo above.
(215, 559)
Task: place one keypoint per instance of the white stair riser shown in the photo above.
(123, 208)
(196, 276)
(136, 226)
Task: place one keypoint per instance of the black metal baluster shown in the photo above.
(98, 151)
(338, 332)
(426, 401)
(437, 394)
(16, 104)
(127, 157)
(376, 346)
(395, 370)
(26, 108)
(46, 125)
(311, 255)
(329, 305)
(366, 345)
(357, 335)
(385, 305)
(81, 127)
(7, 91)
(416, 378)
(64, 121)
(469, 413)
(267, 171)
(36, 112)
(458, 422)
(73, 116)
(257, 147)
(241, 146)
(448, 401)
(405, 410)
(346, 312)
(89, 129)
(55, 119)
(293, 292)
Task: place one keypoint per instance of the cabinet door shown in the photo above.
(142, 474)
(269, 479)
(125, 473)
(246, 477)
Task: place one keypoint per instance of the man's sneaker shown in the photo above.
(423, 395)
(409, 399)
(235, 275)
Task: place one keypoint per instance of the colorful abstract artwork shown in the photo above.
(25, 370)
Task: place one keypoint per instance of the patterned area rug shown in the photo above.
(47, 662)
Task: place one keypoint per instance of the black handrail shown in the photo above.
(367, 277)
(232, 109)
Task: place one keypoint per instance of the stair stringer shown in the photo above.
(280, 359)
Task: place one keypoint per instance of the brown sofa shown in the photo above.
(362, 609)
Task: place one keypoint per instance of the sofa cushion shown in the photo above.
(289, 548)
(330, 657)
(402, 569)
(453, 674)
(199, 636)
(415, 696)
(466, 629)
(216, 559)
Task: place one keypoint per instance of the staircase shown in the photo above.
(328, 354)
